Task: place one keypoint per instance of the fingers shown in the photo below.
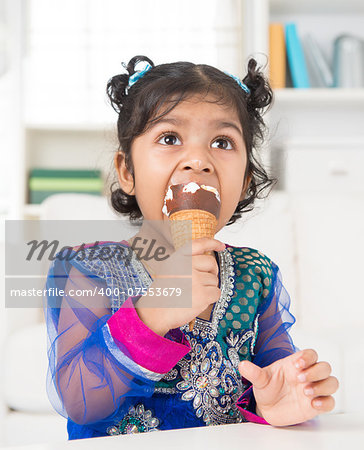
(213, 294)
(305, 358)
(321, 388)
(206, 263)
(320, 385)
(204, 245)
(253, 373)
(316, 372)
(208, 279)
(323, 404)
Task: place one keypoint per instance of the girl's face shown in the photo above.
(196, 141)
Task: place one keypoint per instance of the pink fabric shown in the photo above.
(244, 401)
(145, 347)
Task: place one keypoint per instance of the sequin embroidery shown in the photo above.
(137, 420)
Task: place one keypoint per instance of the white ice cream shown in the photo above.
(191, 187)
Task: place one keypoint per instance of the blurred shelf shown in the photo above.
(317, 6)
(64, 126)
(322, 142)
(316, 96)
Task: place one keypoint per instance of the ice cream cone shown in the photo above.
(203, 225)
(199, 204)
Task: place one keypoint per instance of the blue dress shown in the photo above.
(93, 380)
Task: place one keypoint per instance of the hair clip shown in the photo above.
(140, 73)
(240, 83)
(137, 75)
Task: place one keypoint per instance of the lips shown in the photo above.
(193, 180)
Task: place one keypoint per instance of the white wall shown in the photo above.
(77, 45)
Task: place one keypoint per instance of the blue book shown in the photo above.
(296, 58)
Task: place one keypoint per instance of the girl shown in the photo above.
(121, 363)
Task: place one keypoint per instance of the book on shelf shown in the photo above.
(64, 173)
(277, 56)
(46, 182)
(296, 57)
(319, 71)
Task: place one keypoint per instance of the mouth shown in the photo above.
(191, 195)
(205, 184)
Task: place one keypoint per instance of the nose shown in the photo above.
(198, 165)
(195, 166)
(197, 159)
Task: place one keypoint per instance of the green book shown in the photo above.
(64, 173)
(65, 184)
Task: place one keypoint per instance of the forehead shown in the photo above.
(210, 104)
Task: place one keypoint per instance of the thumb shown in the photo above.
(253, 373)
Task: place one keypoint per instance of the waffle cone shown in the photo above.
(203, 224)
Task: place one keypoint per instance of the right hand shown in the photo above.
(205, 290)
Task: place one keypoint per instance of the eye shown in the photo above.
(224, 143)
(169, 138)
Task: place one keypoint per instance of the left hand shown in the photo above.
(280, 388)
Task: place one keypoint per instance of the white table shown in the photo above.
(328, 431)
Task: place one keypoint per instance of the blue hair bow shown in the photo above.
(240, 83)
(137, 75)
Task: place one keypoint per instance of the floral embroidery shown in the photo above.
(200, 384)
(211, 382)
(137, 420)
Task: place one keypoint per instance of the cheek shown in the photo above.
(151, 164)
(231, 194)
(229, 202)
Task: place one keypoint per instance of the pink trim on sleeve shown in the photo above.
(243, 402)
(146, 347)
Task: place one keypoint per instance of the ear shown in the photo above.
(124, 176)
(245, 187)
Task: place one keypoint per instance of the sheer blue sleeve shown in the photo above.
(274, 321)
(85, 381)
(90, 374)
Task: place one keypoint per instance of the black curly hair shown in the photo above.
(138, 107)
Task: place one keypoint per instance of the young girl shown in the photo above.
(118, 362)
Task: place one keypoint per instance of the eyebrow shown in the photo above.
(218, 123)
